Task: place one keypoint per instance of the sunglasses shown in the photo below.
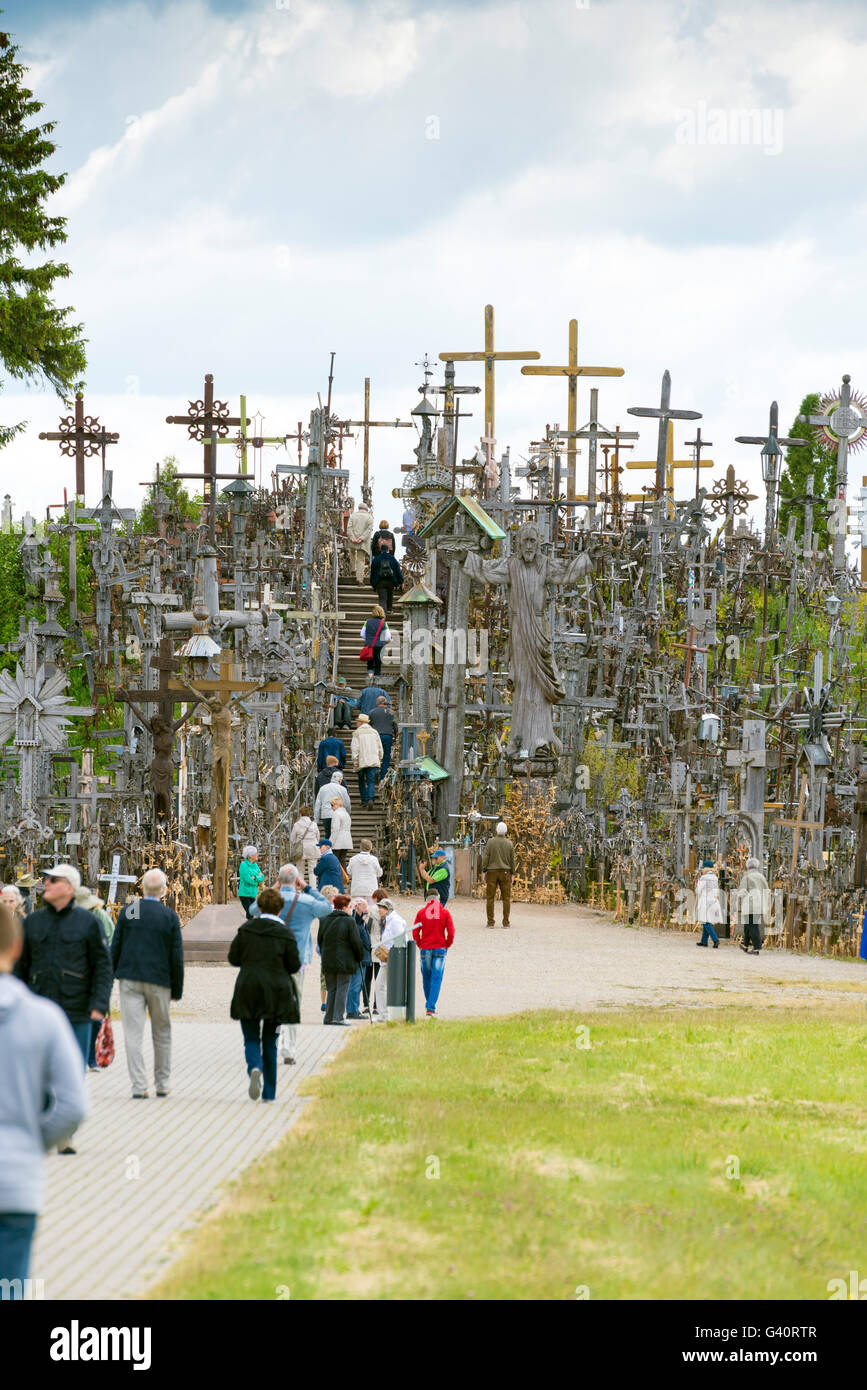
(51, 878)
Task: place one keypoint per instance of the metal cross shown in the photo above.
(80, 436)
(663, 413)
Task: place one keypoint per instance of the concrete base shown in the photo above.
(208, 935)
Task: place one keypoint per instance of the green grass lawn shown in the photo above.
(682, 1154)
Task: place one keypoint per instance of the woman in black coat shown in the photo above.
(265, 949)
(385, 574)
(340, 946)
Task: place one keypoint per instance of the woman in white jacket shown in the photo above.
(708, 909)
(304, 844)
(393, 928)
(754, 897)
(341, 830)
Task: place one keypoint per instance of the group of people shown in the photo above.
(751, 900)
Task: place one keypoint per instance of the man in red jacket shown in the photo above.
(433, 934)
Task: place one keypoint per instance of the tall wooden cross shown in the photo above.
(81, 436)
(208, 420)
(489, 356)
(572, 372)
(220, 696)
(367, 425)
(664, 413)
(671, 463)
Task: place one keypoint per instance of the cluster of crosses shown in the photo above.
(638, 659)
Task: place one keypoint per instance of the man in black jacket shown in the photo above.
(382, 720)
(65, 957)
(147, 951)
(339, 944)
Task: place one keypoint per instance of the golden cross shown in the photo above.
(572, 371)
(489, 357)
(670, 464)
(422, 737)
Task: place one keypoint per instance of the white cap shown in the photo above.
(67, 871)
(501, 827)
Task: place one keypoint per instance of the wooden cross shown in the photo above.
(367, 425)
(690, 648)
(572, 371)
(80, 436)
(208, 420)
(671, 463)
(219, 696)
(799, 825)
(116, 877)
(489, 356)
(166, 663)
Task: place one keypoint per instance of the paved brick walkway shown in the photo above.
(146, 1168)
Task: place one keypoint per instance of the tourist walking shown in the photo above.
(382, 720)
(325, 774)
(386, 575)
(753, 902)
(328, 870)
(324, 798)
(367, 699)
(433, 933)
(367, 754)
(330, 748)
(341, 831)
(342, 952)
(708, 909)
(250, 878)
(42, 1101)
(498, 865)
(392, 928)
(148, 957)
(364, 871)
(65, 957)
(302, 906)
(357, 985)
(374, 637)
(265, 996)
(382, 539)
(359, 531)
(304, 840)
(86, 898)
(439, 874)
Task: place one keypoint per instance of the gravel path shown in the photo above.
(576, 958)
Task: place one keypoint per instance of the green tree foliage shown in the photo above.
(179, 504)
(36, 340)
(801, 462)
(13, 596)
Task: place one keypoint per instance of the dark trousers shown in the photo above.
(376, 664)
(366, 784)
(337, 987)
(326, 827)
(384, 593)
(501, 878)
(386, 740)
(246, 903)
(95, 1025)
(16, 1238)
(752, 934)
(260, 1051)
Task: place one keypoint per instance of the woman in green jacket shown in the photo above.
(249, 878)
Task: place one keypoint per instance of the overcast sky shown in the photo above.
(254, 185)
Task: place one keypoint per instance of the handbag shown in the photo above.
(104, 1046)
(367, 653)
(381, 953)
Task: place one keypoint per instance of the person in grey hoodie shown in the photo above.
(42, 1100)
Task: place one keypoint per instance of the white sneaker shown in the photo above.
(255, 1088)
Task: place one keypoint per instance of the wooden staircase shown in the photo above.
(356, 601)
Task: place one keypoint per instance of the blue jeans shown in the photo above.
(366, 784)
(16, 1237)
(82, 1037)
(353, 998)
(433, 963)
(386, 740)
(260, 1051)
(708, 931)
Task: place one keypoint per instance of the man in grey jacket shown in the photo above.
(42, 1100)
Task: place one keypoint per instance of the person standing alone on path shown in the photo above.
(708, 909)
(433, 933)
(250, 876)
(42, 1101)
(265, 997)
(498, 865)
(147, 951)
(367, 753)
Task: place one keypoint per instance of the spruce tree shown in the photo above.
(37, 343)
(801, 462)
